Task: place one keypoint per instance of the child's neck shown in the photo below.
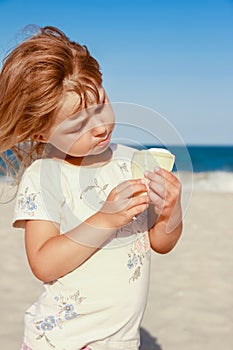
(91, 160)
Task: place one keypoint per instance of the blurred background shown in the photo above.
(173, 56)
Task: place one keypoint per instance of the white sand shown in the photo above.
(190, 304)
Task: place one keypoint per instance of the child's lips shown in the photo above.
(104, 141)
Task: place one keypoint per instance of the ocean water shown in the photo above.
(206, 168)
(203, 158)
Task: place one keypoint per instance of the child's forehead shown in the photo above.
(70, 104)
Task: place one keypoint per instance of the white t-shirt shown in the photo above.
(101, 303)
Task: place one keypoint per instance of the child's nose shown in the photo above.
(99, 129)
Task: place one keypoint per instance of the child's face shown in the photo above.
(87, 132)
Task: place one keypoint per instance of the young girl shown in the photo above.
(86, 228)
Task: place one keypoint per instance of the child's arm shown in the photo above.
(52, 255)
(165, 195)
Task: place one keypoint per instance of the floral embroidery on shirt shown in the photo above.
(139, 250)
(27, 202)
(123, 167)
(67, 309)
(94, 186)
(25, 347)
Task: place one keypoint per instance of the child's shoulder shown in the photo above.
(44, 165)
(124, 149)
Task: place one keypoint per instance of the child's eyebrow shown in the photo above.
(76, 115)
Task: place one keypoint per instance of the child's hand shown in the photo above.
(164, 193)
(123, 204)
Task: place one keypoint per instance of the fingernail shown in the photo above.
(157, 169)
(146, 173)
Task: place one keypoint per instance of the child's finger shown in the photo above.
(168, 176)
(156, 200)
(164, 178)
(130, 203)
(128, 184)
(133, 188)
(159, 189)
(159, 178)
(138, 200)
(134, 211)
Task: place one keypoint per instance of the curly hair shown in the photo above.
(34, 78)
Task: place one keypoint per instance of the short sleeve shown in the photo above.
(37, 197)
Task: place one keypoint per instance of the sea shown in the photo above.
(208, 167)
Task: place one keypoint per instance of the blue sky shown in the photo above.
(174, 57)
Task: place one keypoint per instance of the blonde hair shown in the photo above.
(34, 78)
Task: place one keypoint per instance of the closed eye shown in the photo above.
(77, 128)
(99, 108)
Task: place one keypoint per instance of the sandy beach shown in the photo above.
(190, 305)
